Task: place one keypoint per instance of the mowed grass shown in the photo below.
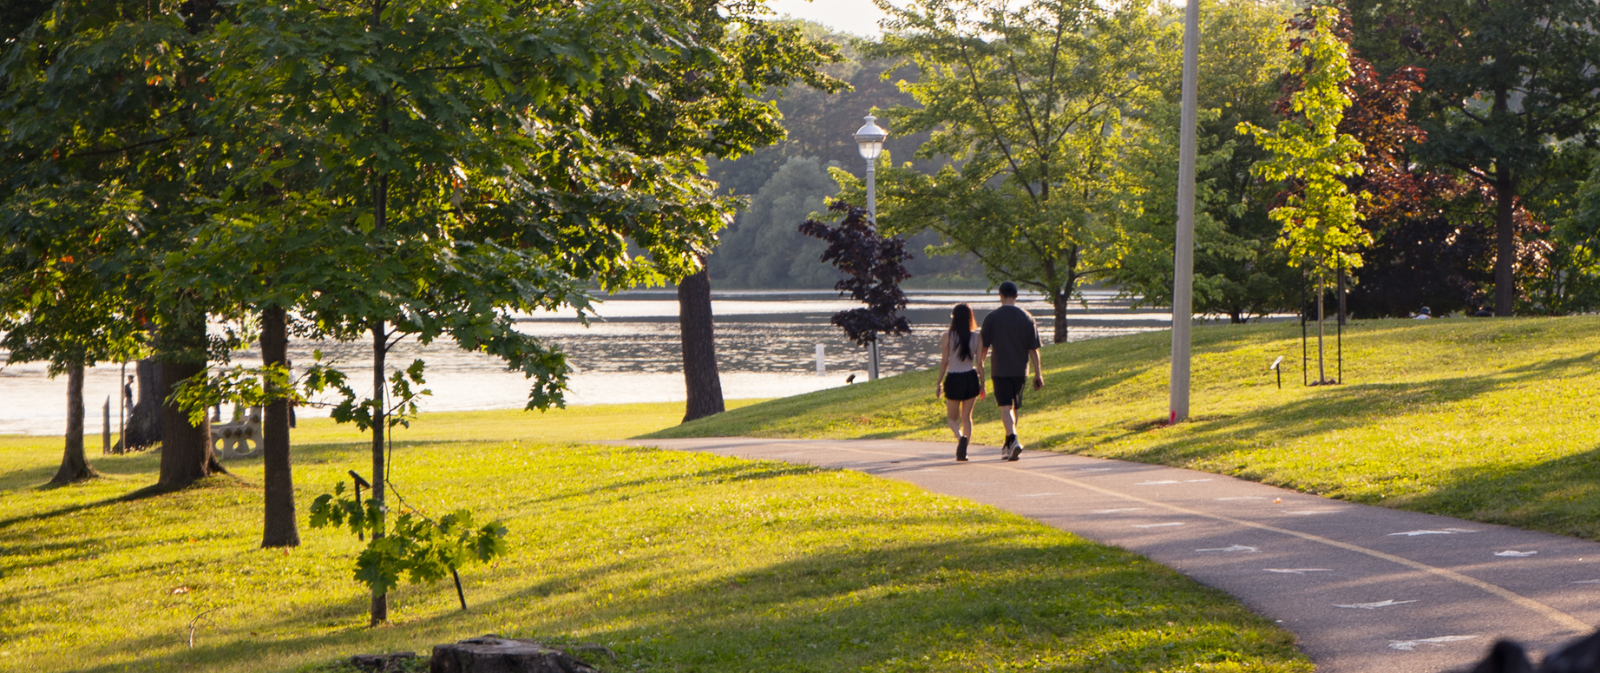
(1493, 420)
(673, 561)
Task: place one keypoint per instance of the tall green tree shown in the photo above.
(1038, 105)
(1321, 227)
(103, 92)
(454, 164)
(62, 291)
(1509, 91)
(1238, 272)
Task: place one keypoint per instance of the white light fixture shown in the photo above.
(870, 139)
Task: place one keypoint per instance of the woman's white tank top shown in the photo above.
(958, 365)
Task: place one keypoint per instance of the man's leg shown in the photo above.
(1008, 418)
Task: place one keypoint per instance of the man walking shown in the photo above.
(1011, 341)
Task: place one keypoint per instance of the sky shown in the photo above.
(857, 17)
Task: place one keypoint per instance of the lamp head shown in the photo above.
(870, 139)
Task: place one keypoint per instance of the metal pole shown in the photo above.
(122, 408)
(872, 212)
(1183, 249)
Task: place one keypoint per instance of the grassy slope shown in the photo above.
(1493, 420)
(677, 562)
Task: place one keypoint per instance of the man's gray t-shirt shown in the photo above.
(1009, 333)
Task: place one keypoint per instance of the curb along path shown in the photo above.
(1364, 588)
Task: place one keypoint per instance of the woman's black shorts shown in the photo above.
(962, 386)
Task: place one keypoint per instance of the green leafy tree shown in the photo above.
(1238, 271)
(1509, 98)
(763, 249)
(102, 92)
(1038, 105)
(1321, 227)
(62, 291)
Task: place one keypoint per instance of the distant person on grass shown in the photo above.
(960, 375)
(1011, 342)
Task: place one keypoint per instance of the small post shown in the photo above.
(459, 596)
(359, 483)
(1278, 370)
(822, 367)
(105, 427)
(872, 358)
(122, 408)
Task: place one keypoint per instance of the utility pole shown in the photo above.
(1183, 248)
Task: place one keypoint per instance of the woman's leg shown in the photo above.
(952, 413)
(966, 416)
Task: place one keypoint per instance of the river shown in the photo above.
(766, 347)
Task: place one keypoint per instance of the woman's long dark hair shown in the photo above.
(961, 325)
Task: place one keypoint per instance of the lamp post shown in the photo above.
(1183, 249)
(869, 140)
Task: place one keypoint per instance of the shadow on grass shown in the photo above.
(1557, 496)
(981, 602)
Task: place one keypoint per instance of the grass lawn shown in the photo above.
(1493, 420)
(673, 561)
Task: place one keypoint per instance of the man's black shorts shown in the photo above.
(1008, 390)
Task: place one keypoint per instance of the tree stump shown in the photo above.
(493, 654)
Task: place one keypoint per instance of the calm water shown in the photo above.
(766, 347)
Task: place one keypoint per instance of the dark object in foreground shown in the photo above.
(1582, 656)
(493, 654)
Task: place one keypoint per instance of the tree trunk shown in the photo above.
(74, 465)
(380, 348)
(700, 377)
(1505, 284)
(186, 454)
(1058, 300)
(278, 525)
(144, 419)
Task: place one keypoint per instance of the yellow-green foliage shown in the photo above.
(1494, 420)
(674, 561)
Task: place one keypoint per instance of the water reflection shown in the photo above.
(766, 343)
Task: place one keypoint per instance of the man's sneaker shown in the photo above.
(1016, 451)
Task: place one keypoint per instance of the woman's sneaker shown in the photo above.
(961, 450)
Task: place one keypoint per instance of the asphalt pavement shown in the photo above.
(1364, 588)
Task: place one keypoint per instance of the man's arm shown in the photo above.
(1038, 370)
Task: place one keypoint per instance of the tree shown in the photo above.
(873, 265)
(100, 92)
(60, 291)
(458, 163)
(1238, 272)
(1038, 105)
(1321, 228)
(1509, 91)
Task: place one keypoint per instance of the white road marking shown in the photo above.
(1160, 525)
(1297, 571)
(1324, 510)
(1244, 497)
(1374, 606)
(1514, 553)
(1447, 531)
(1158, 483)
(1113, 511)
(1411, 645)
(1194, 481)
(1233, 548)
(1092, 469)
(1587, 582)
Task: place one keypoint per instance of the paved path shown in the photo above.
(1366, 589)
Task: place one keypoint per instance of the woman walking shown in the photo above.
(960, 375)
